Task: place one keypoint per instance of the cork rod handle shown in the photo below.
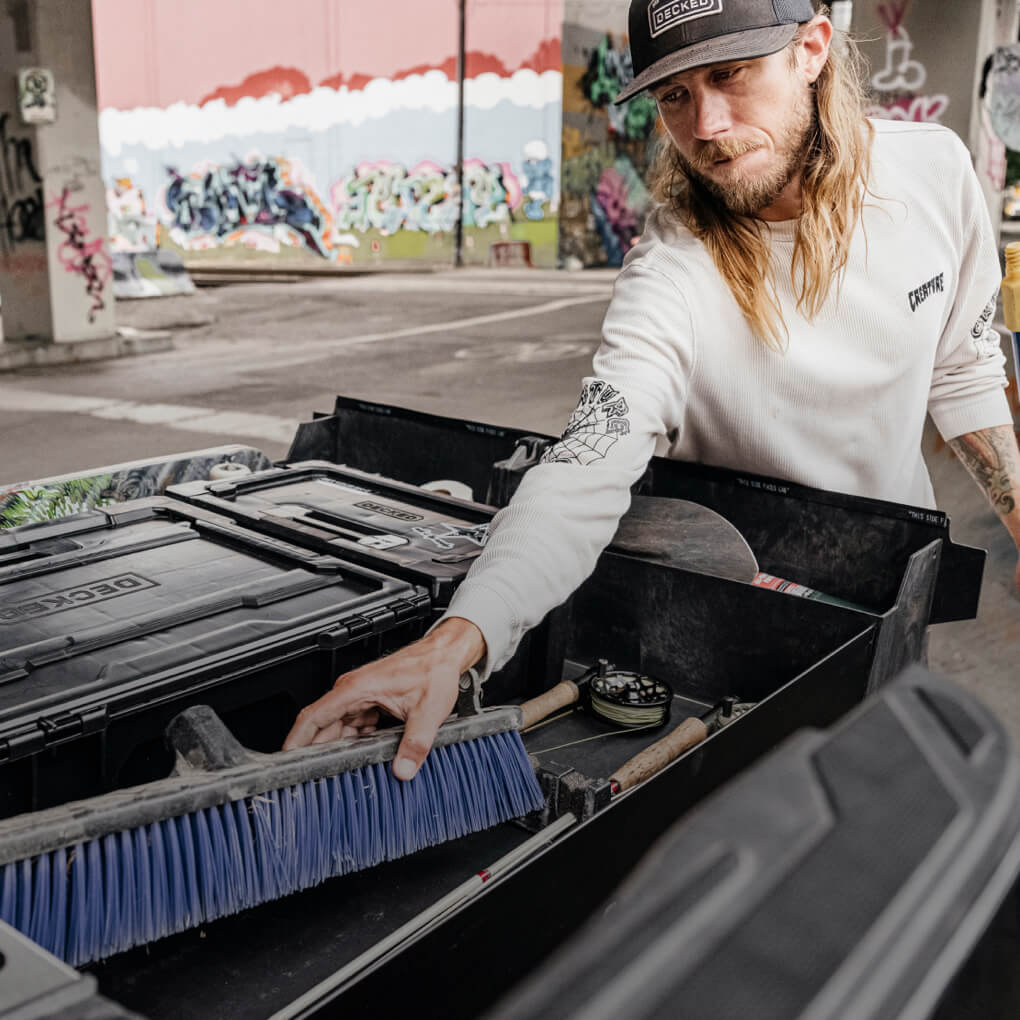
(652, 759)
(535, 710)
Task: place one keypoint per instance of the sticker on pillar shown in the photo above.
(37, 95)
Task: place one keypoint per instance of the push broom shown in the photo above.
(232, 829)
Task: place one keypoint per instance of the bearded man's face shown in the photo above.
(740, 128)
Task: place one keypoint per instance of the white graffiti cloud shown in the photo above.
(320, 109)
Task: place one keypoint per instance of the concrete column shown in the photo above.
(55, 270)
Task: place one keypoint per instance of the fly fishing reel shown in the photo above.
(626, 698)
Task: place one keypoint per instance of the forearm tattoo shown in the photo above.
(993, 460)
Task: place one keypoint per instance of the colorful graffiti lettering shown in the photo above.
(537, 180)
(618, 204)
(131, 227)
(581, 173)
(386, 197)
(21, 196)
(614, 193)
(219, 204)
(609, 72)
(80, 256)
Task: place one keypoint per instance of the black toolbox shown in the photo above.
(425, 537)
(803, 662)
(849, 874)
(114, 620)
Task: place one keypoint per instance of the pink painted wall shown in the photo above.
(198, 46)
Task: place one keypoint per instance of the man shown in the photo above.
(810, 286)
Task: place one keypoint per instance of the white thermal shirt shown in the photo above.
(842, 408)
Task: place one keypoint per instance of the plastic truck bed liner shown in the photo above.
(846, 546)
(259, 962)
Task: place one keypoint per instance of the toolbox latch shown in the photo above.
(359, 627)
(410, 609)
(60, 728)
(57, 729)
(330, 640)
(381, 619)
(95, 720)
(352, 629)
(21, 745)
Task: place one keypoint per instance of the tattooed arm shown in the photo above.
(993, 460)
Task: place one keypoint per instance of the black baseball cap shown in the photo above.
(668, 36)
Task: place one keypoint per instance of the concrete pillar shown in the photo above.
(926, 59)
(55, 270)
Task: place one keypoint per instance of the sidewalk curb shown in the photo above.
(25, 354)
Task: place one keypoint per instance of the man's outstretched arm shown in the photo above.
(993, 460)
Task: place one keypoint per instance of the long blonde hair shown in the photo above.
(834, 183)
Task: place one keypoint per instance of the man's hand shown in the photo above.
(418, 684)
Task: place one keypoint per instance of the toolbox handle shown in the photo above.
(560, 696)
(657, 756)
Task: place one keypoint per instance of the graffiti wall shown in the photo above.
(607, 149)
(21, 196)
(325, 137)
(914, 73)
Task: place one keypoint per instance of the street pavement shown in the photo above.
(251, 360)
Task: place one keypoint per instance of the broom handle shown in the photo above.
(563, 694)
(657, 756)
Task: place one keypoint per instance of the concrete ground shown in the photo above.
(251, 360)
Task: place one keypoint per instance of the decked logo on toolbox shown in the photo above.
(74, 598)
(666, 14)
(390, 511)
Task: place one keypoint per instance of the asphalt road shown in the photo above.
(251, 360)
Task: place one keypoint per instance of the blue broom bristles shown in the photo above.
(103, 896)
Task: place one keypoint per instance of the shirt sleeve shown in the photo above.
(546, 541)
(968, 380)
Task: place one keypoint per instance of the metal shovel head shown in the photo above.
(679, 533)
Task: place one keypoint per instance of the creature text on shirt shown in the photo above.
(922, 293)
(597, 422)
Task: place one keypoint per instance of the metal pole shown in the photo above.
(458, 259)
